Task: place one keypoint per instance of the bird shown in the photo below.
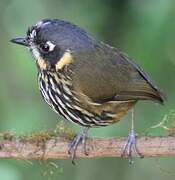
(87, 81)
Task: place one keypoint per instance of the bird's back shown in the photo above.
(105, 74)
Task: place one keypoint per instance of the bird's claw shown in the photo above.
(130, 146)
(82, 137)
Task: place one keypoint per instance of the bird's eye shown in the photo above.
(44, 47)
(47, 47)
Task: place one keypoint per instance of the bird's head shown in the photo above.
(54, 43)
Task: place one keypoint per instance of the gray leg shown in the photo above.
(130, 145)
(82, 136)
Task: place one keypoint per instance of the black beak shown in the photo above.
(21, 41)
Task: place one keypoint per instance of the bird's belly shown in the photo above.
(63, 101)
(110, 112)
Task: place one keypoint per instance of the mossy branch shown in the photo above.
(56, 147)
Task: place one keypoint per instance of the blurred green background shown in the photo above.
(144, 29)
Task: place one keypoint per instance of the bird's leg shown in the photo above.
(130, 145)
(82, 136)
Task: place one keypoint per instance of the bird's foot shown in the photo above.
(81, 137)
(130, 147)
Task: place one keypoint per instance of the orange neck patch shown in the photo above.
(65, 60)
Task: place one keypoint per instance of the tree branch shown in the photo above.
(97, 147)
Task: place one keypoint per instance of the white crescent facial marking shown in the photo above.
(34, 48)
(51, 45)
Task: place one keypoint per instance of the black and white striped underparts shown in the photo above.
(57, 91)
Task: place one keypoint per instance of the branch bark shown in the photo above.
(97, 148)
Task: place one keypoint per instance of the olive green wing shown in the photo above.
(142, 86)
(106, 74)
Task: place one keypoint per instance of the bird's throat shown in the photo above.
(42, 64)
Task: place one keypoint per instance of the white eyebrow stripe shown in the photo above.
(51, 45)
